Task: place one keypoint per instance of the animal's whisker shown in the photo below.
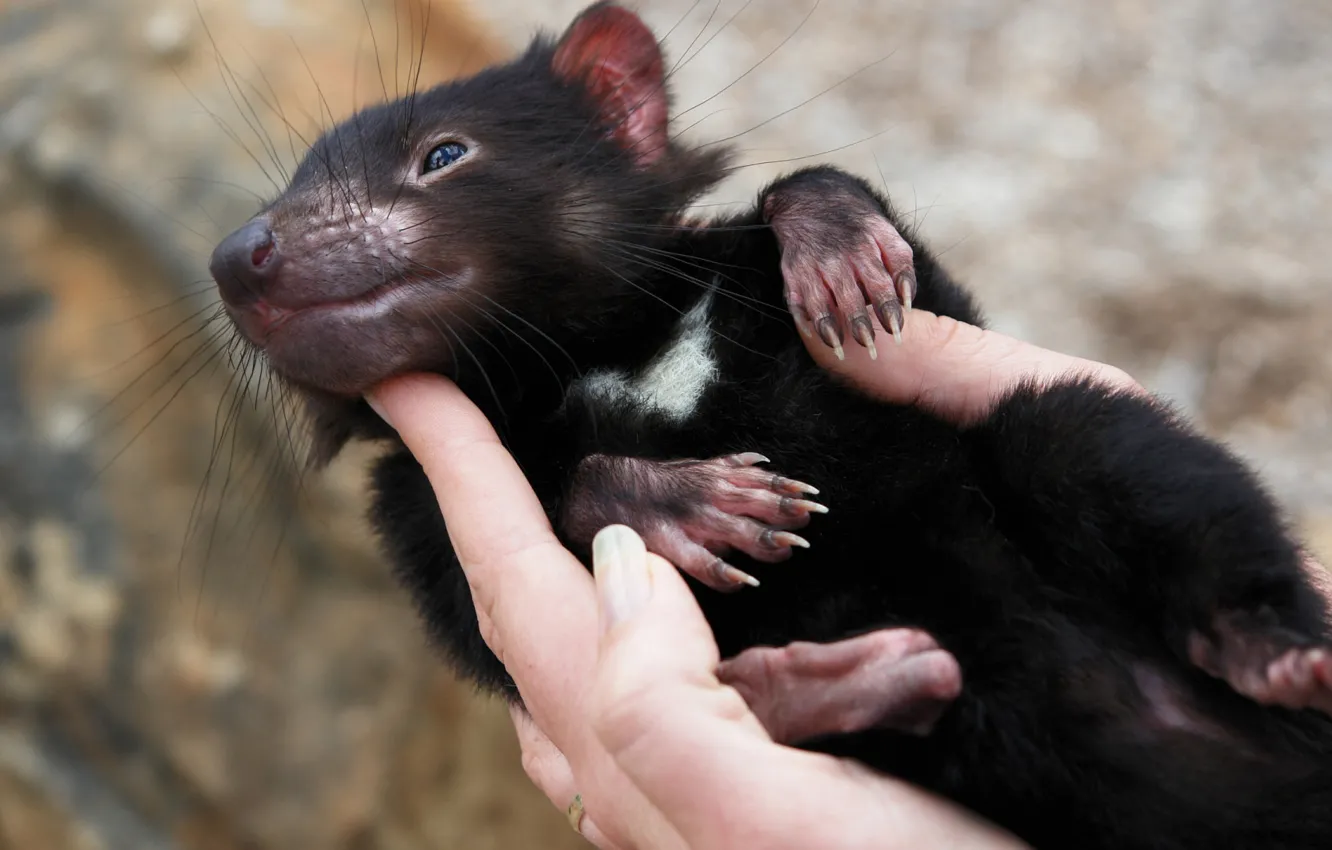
(754, 67)
(233, 90)
(200, 495)
(437, 318)
(542, 334)
(164, 357)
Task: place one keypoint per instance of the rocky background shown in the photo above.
(200, 649)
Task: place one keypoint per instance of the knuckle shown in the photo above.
(534, 765)
(732, 486)
(733, 706)
(843, 282)
(491, 637)
(758, 481)
(820, 302)
(798, 652)
(711, 519)
(1117, 377)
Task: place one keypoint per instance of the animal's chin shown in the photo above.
(344, 348)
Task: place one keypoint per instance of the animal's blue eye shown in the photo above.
(443, 155)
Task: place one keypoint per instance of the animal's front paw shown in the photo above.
(840, 255)
(694, 512)
(1265, 662)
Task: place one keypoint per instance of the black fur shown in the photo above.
(1061, 549)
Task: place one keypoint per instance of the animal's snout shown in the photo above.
(245, 263)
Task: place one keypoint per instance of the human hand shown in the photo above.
(631, 715)
(956, 370)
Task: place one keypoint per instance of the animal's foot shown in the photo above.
(840, 256)
(897, 679)
(1266, 663)
(693, 512)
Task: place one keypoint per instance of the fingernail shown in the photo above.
(375, 406)
(619, 562)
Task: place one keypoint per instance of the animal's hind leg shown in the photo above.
(1264, 661)
(1114, 499)
(897, 679)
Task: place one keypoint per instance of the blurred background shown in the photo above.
(199, 648)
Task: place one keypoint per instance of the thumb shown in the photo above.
(684, 739)
(655, 644)
(956, 370)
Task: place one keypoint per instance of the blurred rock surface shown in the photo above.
(1128, 180)
(259, 682)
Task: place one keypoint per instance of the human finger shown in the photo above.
(535, 597)
(955, 369)
(543, 762)
(550, 772)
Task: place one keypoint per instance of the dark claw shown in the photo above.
(832, 335)
(770, 539)
(890, 313)
(863, 330)
(730, 577)
(795, 507)
(790, 485)
(907, 287)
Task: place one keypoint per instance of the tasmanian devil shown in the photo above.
(1143, 663)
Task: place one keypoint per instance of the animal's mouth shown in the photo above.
(336, 318)
(264, 318)
(345, 346)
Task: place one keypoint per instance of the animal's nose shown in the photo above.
(245, 263)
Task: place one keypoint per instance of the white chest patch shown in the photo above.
(673, 382)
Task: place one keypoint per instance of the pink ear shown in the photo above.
(613, 54)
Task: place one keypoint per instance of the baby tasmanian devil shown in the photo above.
(1140, 662)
